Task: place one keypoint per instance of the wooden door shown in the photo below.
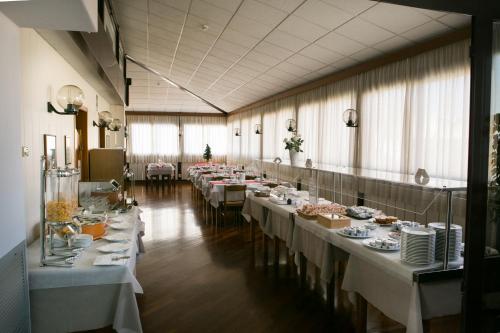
(82, 151)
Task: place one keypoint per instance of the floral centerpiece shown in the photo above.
(293, 146)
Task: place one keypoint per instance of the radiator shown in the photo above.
(14, 292)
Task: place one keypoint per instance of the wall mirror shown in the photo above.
(68, 151)
(50, 151)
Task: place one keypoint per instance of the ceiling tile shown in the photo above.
(292, 68)
(230, 5)
(340, 44)
(366, 54)
(248, 26)
(384, 15)
(305, 62)
(239, 38)
(434, 14)
(273, 50)
(344, 63)
(392, 44)
(455, 20)
(301, 28)
(351, 6)
(321, 54)
(426, 31)
(285, 5)
(322, 14)
(261, 12)
(286, 40)
(363, 32)
(262, 58)
(210, 13)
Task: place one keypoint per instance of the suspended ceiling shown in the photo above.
(235, 52)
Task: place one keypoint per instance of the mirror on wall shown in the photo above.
(50, 151)
(68, 150)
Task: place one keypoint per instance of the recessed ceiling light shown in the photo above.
(204, 27)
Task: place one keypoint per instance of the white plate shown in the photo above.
(114, 247)
(118, 237)
(116, 219)
(366, 243)
(120, 226)
(340, 232)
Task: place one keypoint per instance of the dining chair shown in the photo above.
(234, 199)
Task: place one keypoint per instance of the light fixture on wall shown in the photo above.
(237, 132)
(70, 98)
(350, 117)
(115, 125)
(291, 125)
(105, 118)
(258, 129)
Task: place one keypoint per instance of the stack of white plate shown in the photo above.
(82, 240)
(418, 245)
(455, 240)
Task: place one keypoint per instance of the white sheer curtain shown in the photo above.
(153, 138)
(234, 142)
(250, 141)
(382, 117)
(326, 138)
(438, 107)
(197, 132)
(274, 117)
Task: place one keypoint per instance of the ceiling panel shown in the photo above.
(234, 52)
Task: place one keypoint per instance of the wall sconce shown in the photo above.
(70, 98)
(115, 125)
(350, 118)
(237, 132)
(258, 129)
(105, 118)
(291, 125)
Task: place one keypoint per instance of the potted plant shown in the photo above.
(207, 155)
(293, 146)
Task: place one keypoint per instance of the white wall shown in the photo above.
(12, 180)
(43, 68)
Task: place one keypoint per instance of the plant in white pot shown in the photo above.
(293, 146)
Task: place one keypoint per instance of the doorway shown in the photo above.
(81, 143)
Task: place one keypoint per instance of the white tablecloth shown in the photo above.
(84, 296)
(380, 277)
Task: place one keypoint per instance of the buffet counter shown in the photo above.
(85, 296)
(379, 277)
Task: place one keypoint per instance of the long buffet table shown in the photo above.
(86, 297)
(379, 277)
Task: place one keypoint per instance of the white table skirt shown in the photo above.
(90, 297)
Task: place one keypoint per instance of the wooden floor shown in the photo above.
(198, 280)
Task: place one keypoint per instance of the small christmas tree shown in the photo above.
(207, 155)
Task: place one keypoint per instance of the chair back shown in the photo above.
(250, 177)
(234, 195)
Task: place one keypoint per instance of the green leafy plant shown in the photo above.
(207, 155)
(294, 143)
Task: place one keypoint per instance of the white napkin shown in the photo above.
(107, 260)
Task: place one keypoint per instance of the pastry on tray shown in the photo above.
(383, 219)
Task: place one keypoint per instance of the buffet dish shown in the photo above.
(311, 211)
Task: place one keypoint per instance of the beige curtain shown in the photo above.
(197, 132)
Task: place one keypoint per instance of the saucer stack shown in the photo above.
(418, 245)
(455, 240)
(82, 240)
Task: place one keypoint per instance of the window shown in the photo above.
(157, 140)
(197, 132)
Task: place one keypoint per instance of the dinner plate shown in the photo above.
(341, 233)
(114, 247)
(366, 243)
(120, 226)
(118, 237)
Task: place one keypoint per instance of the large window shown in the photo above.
(413, 114)
(153, 138)
(197, 132)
